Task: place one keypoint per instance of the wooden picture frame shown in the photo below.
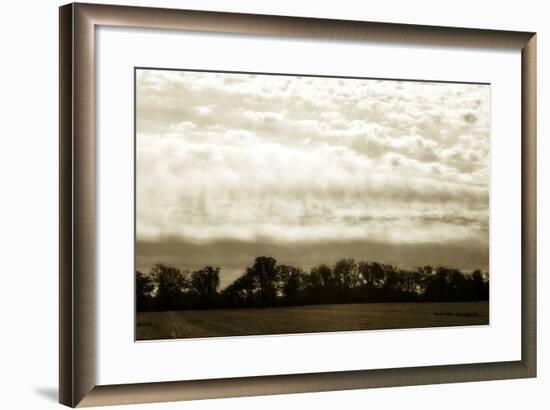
(78, 288)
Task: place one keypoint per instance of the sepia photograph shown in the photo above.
(284, 204)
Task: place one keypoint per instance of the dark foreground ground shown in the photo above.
(307, 319)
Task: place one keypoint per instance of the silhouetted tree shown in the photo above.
(144, 291)
(313, 287)
(346, 276)
(436, 285)
(322, 284)
(266, 284)
(242, 292)
(479, 288)
(171, 285)
(372, 273)
(204, 286)
(265, 271)
(290, 283)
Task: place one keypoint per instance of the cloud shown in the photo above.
(286, 160)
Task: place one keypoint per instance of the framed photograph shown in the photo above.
(255, 204)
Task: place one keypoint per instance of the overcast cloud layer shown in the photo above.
(231, 164)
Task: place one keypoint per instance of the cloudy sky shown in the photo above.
(309, 170)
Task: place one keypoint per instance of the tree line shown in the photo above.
(268, 284)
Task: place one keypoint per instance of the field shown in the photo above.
(307, 319)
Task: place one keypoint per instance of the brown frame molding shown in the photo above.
(77, 349)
